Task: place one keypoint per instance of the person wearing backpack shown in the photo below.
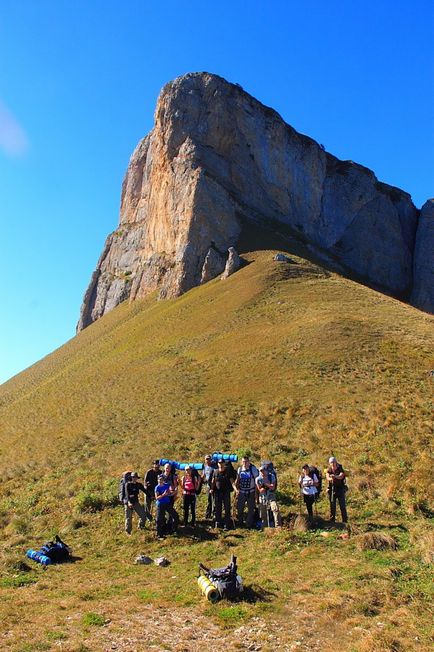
(308, 482)
(336, 489)
(221, 488)
(266, 486)
(132, 503)
(151, 481)
(189, 485)
(245, 484)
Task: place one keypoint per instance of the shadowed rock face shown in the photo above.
(218, 160)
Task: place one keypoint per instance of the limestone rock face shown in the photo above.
(423, 290)
(218, 160)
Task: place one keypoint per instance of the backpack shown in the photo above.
(126, 477)
(313, 470)
(57, 551)
(226, 580)
(272, 473)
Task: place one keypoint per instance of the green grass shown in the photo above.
(285, 361)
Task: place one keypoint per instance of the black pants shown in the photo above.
(309, 501)
(337, 495)
(223, 500)
(189, 505)
(173, 520)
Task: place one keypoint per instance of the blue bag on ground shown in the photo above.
(53, 552)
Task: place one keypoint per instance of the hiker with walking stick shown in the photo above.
(266, 486)
(336, 489)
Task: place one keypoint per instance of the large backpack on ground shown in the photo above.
(126, 477)
(313, 470)
(226, 580)
(53, 552)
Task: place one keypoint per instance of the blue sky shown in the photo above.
(78, 86)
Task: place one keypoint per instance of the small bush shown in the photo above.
(232, 615)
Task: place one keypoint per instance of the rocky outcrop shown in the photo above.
(217, 161)
(214, 264)
(233, 263)
(423, 290)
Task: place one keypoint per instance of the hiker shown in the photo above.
(189, 487)
(336, 489)
(266, 486)
(221, 489)
(151, 481)
(163, 500)
(308, 482)
(208, 470)
(171, 476)
(246, 491)
(132, 503)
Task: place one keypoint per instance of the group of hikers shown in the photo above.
(254, 489)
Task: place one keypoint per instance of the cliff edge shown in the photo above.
(218, 163)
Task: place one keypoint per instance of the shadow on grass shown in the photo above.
(256, 593)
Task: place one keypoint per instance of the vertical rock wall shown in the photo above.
(218, 159)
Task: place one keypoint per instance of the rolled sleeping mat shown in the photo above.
(208, 589)
(227, 457)
(38, 556)
(180, 466)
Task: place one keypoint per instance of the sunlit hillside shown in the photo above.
(285, 360)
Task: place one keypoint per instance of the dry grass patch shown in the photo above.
(376, 541)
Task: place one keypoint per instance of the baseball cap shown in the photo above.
(134, 474)
(332, 459)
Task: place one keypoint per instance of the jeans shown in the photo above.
(209, 505)
(162, 510)
(250, 499)
(189, 503)
(141, 513)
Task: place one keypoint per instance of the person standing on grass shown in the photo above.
(308, 482)
(163, 500)
(336, 489)
(151, 481)
(208, 470)
(266, 486)
(221, 489)
(132, 503)
(246, 491)
(189, 486)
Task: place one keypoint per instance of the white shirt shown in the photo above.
(307, 484)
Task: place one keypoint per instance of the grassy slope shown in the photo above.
(287, 360)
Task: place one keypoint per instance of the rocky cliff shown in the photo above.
(218, 163)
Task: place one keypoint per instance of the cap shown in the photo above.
(220, 461)
(156, 462)
(187, 466)
(134, 474)
(263, 467)
(332, 459)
